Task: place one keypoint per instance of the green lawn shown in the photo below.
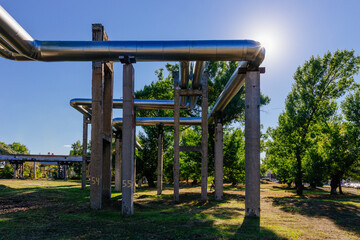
(44, 209)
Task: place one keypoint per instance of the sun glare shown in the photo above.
(272, 40)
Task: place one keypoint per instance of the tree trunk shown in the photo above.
(298, 179)
(150, 180)
(340, 188)
(334, 184)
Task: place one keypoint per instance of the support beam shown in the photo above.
(34, 170)
(84, 153)
(118, 160)
(65, 172)
(101, 129)
(16, 170)
(128, 141)
(96, 170)
(107, 128)
(176, 136)
(204, 136)
(134, 151)
(160, 165)
(219, 175)
(252, 144)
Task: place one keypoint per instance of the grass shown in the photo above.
(44, 209)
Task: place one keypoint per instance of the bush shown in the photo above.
(7, 172)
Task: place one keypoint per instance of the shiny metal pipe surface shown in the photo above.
(139, 103)
(198, 71)
(204, 50)
(230, 90)
(7, 46)
(153, 121)
(12, 56)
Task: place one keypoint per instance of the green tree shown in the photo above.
(19, 148)
(318, 83)
(234, 156)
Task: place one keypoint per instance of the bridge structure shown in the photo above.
(17, 44)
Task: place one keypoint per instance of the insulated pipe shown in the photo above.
(230, 90)
(12, 56)
(211, 50)
(7, 46)
(184, 79)
(153, 121)
(118, 103)
(198, 71)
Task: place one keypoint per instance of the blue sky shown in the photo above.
(34, 96)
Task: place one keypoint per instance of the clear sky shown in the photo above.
(34, 96)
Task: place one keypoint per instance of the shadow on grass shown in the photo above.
(345, 215)
(250, 229)
(63, 212)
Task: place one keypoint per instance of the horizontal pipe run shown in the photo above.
(204, 50)
(40, 158)
(148, 104)
(153, 121)
(230, 90)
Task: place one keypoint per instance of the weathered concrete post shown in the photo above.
(204, 136)
(134, 150)
(35, 170)
(252, 144)
(118, 160)
(107, 127)
(176, 136)
(128, 141)
(65, 172)
(58, 170)
(96, 170)
(160, 159)
(22, 170)
(102, 91)
(219, 175)
(15, 170)
(84, 153)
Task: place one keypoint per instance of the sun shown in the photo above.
(269, 41)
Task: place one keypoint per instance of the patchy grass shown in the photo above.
(42, 209)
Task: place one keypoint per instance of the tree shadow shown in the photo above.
(250, 229)
(347, 215)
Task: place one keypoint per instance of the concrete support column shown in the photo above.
(118, 160)
(134, 151)
(84, 153)
(58, 170)
(101, 137)
(204, 136)
(65, 172)
(107, 129)
(252, 144)
(16, 166)
(22, 170)
(160, 165)
(35, 170)
(176, 136)
(128, 141)
(219, 175)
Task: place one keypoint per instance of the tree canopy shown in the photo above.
(319, 83)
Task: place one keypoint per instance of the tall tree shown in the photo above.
(19, 148)
(318, 83)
